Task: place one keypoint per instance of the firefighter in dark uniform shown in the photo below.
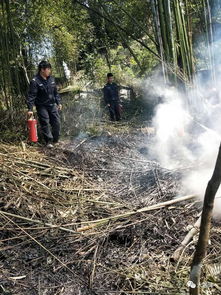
(111, 98)
(43, 94)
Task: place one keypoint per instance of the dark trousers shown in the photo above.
(114, 110)
(49, 120)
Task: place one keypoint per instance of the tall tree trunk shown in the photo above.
(202, 243)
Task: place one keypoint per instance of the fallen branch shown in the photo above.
(97, 222)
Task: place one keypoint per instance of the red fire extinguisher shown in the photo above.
(32, 129)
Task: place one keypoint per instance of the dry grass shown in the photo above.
(71, 224)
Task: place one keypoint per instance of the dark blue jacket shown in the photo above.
(111, 93)
(42, 92)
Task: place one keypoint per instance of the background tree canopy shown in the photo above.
(128, 37)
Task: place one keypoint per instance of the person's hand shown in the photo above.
(108, 105)
(30, 113)
(59, 107)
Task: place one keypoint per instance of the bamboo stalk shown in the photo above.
(181, 41)
(168, 26)
(166, 34)
(154, 4)
(163, 28)
(93, 223)
(209, 35)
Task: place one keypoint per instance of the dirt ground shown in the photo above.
(77, 219)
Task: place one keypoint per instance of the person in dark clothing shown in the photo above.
(111, 98)
(43, 94)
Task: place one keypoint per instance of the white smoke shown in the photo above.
(186, 138)
(171, 121)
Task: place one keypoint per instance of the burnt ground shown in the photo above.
(73, 226)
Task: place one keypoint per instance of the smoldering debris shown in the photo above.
(92, 219)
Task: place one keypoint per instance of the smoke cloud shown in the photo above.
(185, 139)
(188, 127)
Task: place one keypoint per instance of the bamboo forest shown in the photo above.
(110, 155)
